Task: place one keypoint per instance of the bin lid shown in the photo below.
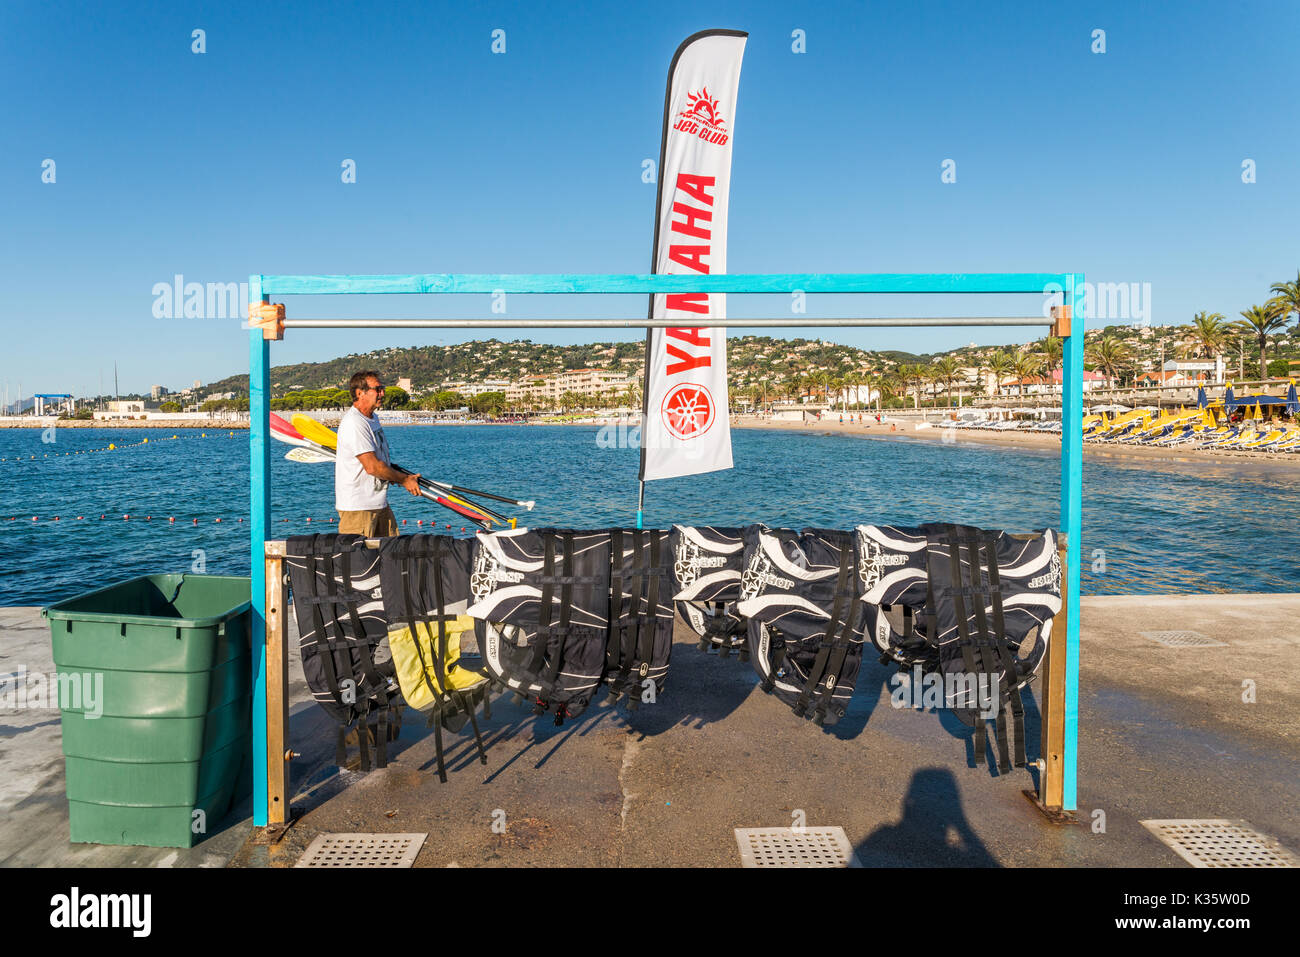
(60, 611)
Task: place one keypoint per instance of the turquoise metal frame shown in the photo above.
(262, 288)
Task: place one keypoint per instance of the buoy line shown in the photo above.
(113, 447)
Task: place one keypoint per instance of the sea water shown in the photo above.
(1150, 527)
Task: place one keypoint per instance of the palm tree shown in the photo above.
(1109, 353)
(898, 383)
(906, 373)
(1026, 365)
(1260, 322)
(1001, 365)
(1053, 350)
(1288, 293)
(948, 369)
(1208, 336)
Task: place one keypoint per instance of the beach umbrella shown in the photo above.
(1201, 400)
(1292, 404)
(1228, 397)
(1256, 413)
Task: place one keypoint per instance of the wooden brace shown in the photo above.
(1061, 321)
(268, 317)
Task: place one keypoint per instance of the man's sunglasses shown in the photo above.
(370, 388)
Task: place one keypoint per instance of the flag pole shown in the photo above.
(654, 264)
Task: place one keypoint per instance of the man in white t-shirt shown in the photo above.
(363, 469)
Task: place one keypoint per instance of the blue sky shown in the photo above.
(1125, 164)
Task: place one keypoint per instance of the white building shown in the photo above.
(586, 382)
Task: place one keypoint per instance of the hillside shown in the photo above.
(753, 361)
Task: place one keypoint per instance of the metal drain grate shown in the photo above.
(1183, 639)
(788, 847)
(1221, 843)
(362, 850)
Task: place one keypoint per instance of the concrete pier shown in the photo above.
(1165, 732)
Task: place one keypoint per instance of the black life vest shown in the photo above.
(977, 608)
(425, 582)
(640, 638)
(707, 564)
(800, 593)
(541, 598)
(341, 625)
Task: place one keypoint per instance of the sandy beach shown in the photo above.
(907, 432)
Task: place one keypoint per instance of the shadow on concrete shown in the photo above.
(966, 734)
(933, 832)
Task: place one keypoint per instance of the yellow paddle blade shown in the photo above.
(313, 431)
(487, 519)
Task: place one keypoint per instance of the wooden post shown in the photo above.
(1051, 775)
(277, 689)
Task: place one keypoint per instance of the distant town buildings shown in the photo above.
(584, 382)
(470, 389)
(1178, 372)
(1040, 385)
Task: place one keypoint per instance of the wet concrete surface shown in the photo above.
(1164, 733)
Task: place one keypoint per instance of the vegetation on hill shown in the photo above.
(763, 369)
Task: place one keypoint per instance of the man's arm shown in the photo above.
(373, 466)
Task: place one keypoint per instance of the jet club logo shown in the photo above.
(1051, 579)
(488, 572)
(701, 118)
(690, 559)
(874, 561)
(760, 573)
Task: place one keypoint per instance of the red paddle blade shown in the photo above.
(283, 430)
(462, 510)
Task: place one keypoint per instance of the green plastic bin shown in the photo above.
(169, 732)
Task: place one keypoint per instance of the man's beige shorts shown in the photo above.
(372, 523)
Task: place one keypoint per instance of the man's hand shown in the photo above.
(408, 480)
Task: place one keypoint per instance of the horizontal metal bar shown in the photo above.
(730, 322)
(645, 283)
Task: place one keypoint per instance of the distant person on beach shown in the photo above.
(362, 469)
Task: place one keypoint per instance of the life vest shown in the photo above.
(640, 639)
(541, 603)
(800, 593)
(976, 609)
(425, 582)
(340, 613)
(707, 564)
